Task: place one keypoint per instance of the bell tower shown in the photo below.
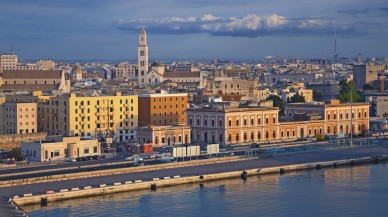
(142, 57)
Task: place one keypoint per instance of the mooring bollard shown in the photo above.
(244, 175)
(153, 187)
(318, 167)
(282, 170)
(43, 202)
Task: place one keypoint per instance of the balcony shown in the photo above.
(81, 106)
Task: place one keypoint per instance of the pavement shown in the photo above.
(272, 161)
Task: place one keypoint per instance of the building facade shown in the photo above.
(20, 118)
(338, 118)
(366, 74)
(162, 119)
(60, 148)
(228, 125)
(8, 61)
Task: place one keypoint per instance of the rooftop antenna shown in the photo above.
(335, 56)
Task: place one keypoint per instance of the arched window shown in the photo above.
(156, 140)
(198, 122)
(282, 133)
(293, 132)
(341, 116)
(237, 137)
(259, 121)
(359, 114)
(230, 123)
(191, 121)
(266, 120)
(252, 122)
(274, 134)
(220, 137)
(267, 135)
(365, 114)
(288, 133)
(245, 122)
(205, 122)
(259, 135)
(237, 122)
(220, 123)
(252, 136)
(328, 129)
(245, 137)
(230, 137)
(274, 120)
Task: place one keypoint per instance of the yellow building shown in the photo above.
(92, 116)
(307, 94)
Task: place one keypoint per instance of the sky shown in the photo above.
(195, 29)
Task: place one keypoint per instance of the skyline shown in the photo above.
(94, 29)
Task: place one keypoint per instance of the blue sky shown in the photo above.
(238, 29)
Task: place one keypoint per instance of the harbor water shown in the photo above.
(349, 191)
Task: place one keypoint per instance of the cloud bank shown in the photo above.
(250, 25)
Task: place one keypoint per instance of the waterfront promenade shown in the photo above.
(267, 162)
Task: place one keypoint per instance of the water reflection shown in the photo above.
(326, 192)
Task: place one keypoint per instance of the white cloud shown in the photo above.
(250, 25)
(209, 17)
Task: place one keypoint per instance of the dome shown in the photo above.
(157, 64)
(76, 69)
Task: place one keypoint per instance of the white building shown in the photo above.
(59, 148)
(8, 61)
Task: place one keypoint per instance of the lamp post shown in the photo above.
(351, 118)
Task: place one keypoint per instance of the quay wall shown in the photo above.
(64, 194)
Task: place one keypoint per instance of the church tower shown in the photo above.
(142, 57)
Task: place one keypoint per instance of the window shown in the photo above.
(328, 116)
(198, 122)
(252, 121)
(245, 122)
(259, 121)
(335, 116)
(86, 150)
(56, 153)
(274, 134)
(274, 120)
(230, 123)
(213, 123)
(237, 122)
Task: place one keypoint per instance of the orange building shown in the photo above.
(337, 117)
(162, 119)
(228, 125)
(162, 109)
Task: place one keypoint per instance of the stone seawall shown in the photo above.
(131, 185)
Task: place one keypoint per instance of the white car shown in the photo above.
(71, 160)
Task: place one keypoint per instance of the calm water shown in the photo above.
(353, 191)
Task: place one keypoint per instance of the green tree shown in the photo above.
(348, 92)
(277, 102)
(17, 154)
(317, 96)
(297, 98)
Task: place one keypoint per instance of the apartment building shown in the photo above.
(92, 116)
(162, 119)
(20, 118)
(8, 61)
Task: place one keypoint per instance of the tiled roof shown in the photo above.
(32, 74)
(181, 74)
(29, 87)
